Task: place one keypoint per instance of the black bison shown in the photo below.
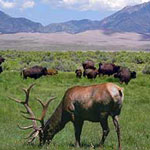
(108, 69)
(1, 60)
(89, 64)
(34, 72)
(90, 73)
(1, 70)
(78, 73)
(52, 72)
(125, 75)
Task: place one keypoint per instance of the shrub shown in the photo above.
(146, 69)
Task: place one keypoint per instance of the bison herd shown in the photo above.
(90, 71)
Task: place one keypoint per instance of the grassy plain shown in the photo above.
(134, 119)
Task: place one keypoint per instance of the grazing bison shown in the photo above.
(52, 72)
(1, 70)
(108, 69)
(89, 64)
(78, 73)
(1, 60)
(34, 72)
(125, 75)
(90, 73)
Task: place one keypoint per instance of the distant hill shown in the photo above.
(73, 26)
(10, 24)
(129, 19)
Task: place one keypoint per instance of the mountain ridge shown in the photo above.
(129, 19)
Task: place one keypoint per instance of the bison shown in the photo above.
(108, 69)
(52, 72)
(125, 75)
(89, 64)
(78, 73)
(1, 60)
(34, 72)
(90, 73)
(1, 70)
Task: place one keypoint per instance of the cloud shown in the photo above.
(7, 4)
(94, 4)
(17, 4)
(28, 4)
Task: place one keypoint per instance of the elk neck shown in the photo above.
(55, 123)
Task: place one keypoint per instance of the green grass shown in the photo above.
(69, 61)
(134, 118)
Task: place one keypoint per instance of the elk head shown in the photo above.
(37, 130)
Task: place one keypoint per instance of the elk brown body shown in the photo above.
(93, 103)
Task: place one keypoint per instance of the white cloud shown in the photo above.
(28, 4)
(94, 4)
(17, 4)
(7, 4)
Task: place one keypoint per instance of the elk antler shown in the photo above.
(45, 107)
(36, 129)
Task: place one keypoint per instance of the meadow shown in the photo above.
(134, 118)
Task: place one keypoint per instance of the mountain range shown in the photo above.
(129, 19)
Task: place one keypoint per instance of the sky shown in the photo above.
(56, 11)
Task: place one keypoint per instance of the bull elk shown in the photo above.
(94, 103)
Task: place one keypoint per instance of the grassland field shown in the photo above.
(134, 118)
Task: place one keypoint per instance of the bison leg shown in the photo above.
(84, 74)
(105, 128)
(117, 127)
(78, 129)
(24, 77)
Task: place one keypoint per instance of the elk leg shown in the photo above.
(105, 128)
(117, 127)
(78, 129)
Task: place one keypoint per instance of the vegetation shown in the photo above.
(134, 119)
(69, 61)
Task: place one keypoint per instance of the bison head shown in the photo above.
(2, 59)
(117, 75)
(133, 74)
(44, 71)
(116, 68)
